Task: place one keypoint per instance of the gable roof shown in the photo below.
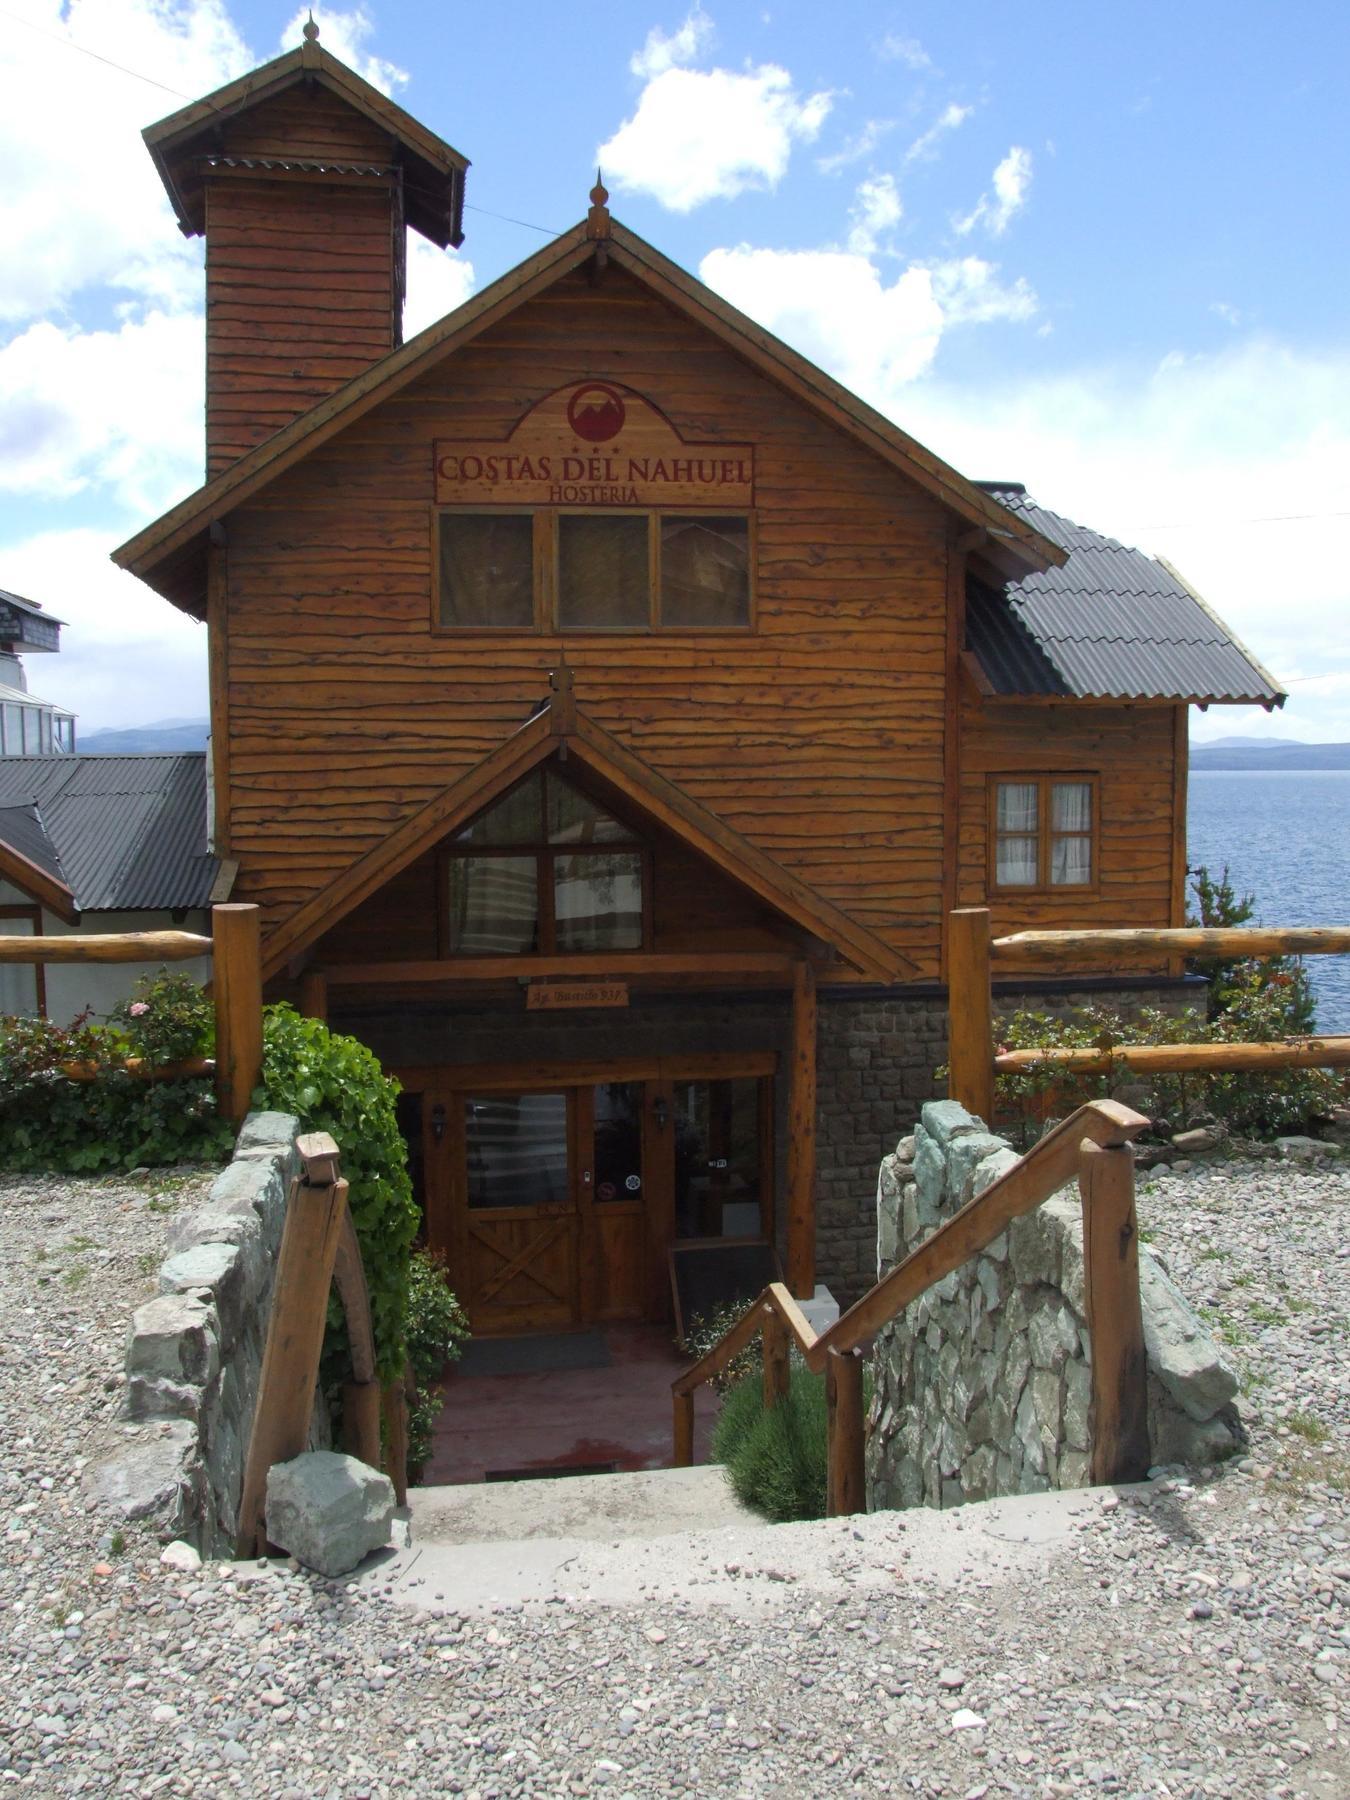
(433, 173)
(28, 858)
(558, 724)
(170, 554)
(1110, 623)
(124, 833)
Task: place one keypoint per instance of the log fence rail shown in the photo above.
(974, 1060)
(235, 949)
(1093, 1143)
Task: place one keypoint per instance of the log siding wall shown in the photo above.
(819, 736)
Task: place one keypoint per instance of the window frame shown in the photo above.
(1044, 781)
(545, 855)
(547, 586)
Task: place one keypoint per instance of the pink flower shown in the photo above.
(137, 1008)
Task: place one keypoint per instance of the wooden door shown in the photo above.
(612, 1123)
(518, 1215)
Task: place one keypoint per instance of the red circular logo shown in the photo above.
(595, 412)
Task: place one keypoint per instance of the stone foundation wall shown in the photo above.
(983, 1386)
(194, 1352)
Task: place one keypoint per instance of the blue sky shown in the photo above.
(1102, 251)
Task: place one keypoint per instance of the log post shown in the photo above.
(801, 1158)
(846, 1481)
(1120, 1446)
(236, 936)
(777, 1358)
(684, 1431)
(395, 1407)
(970, 1028)
(314, 995)
(315, 1209)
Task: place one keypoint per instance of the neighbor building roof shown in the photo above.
(123, 833)
(1110, 623)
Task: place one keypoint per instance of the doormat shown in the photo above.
(535, 1355)
(551, 1474)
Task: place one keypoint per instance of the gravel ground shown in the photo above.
(1190, 1638)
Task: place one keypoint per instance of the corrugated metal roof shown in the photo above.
(22, 829)
(1111, 624)
(129, 831)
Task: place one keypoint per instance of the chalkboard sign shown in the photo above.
(707, 1274)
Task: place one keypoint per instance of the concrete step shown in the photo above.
(646, 1503)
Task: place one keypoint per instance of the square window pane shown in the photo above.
(1016, 862)
(1070, 861)
(517, 1151)
(1071, 806)
(517, 818)
(597, 901)
(604, 577)
(618, 1141)
(705, 572)
(574, 818)
(1017, 806)
(487, 570)
(494, 905)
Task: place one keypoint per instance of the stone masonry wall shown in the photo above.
(983, 1386)
(194, 1352)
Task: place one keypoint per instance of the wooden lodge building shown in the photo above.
(608, 708)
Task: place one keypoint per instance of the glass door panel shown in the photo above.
(516, 1151)
(619, 1212)
(718, 1158)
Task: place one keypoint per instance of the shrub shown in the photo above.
(116, 1121)
(776, 1458)
(436, 1330)
(335, 1084)
(707, 1329)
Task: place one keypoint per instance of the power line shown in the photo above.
(1260, 519)
(107, 61)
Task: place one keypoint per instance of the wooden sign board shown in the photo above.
(552, 996)
(596, 444)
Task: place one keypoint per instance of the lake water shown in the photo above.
(1285, 836)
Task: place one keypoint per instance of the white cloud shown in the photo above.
(118, 410)
(80, 203)
(662, 52)
(344, 34)
(1233, 466)
(836, 307)
(1229, 314)
(127, 657)
(924, 147)
(854, 149)
(906, 50)
(1012, 182)
(876, 210)
(438, 282)
(711, 134)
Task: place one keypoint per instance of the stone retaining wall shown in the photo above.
(194, 1352)
(983, 1386)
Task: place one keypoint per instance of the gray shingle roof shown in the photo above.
(1111, 624)
(129, 832)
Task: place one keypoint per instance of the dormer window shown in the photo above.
(554, 570)
(544, 870)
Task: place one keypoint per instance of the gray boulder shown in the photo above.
(329, 1511)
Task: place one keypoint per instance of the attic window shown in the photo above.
(544, 869)
(594, 571)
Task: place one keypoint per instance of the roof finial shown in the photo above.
(597, 219)
(310, 31)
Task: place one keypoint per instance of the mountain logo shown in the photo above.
(595, 412)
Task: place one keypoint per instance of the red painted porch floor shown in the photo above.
(618, 1417)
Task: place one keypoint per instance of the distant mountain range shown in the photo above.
(165, 735)
(1268, 753)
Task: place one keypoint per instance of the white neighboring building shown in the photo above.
(28, 726)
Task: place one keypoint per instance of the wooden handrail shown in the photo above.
(1100, 1125)
(1167, 1059)
(1044, 1170)
(1229, 940)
